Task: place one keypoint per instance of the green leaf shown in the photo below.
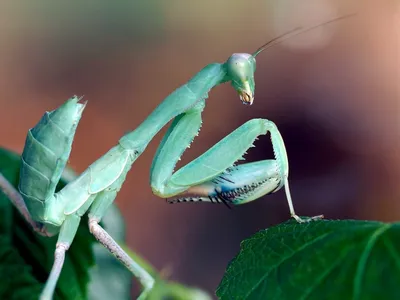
(35, 253)
(174, 291)
(17, 281)
(317, 260)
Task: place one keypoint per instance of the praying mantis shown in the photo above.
(211, 177)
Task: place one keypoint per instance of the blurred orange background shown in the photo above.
(333, 93)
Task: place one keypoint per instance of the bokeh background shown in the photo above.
(333, 93)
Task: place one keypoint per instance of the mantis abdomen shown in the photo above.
(47, 148)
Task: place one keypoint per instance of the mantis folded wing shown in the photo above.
(211, 177)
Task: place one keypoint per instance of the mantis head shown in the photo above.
(241, 66)
(240, 70)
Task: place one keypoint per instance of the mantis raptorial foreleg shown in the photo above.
(211, 177)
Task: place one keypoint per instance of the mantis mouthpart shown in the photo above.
(212, 177)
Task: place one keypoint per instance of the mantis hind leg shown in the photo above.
(65, 238)
(108, 242)
(59, 257)
(97, 210)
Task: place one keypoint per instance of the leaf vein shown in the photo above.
(262, 278)
(323, 276)
(364, 258)
(392, 251)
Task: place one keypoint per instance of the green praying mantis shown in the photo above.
(212, 177)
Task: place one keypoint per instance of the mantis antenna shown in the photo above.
(294, 32)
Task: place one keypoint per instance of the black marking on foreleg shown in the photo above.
(223, 199)
(226, 179)
(184, 199)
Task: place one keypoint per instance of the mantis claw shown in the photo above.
(306, 220)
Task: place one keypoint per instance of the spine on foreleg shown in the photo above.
(46, 152)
